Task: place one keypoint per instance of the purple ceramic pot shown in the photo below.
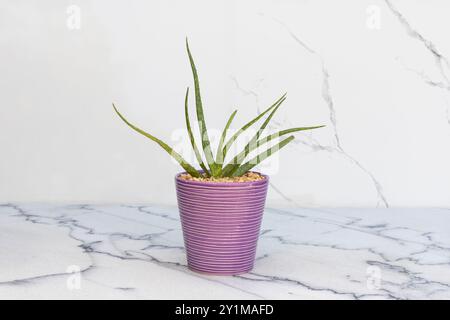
(221, 223)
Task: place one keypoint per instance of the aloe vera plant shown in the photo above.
(215, 166)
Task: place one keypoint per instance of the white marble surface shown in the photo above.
(131, 251)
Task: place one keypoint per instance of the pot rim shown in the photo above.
(222, 184)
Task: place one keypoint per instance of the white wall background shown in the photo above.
(375, 72)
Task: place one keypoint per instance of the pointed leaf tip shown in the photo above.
(186, 166)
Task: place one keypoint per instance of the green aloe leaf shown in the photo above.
(219, 156)
(238, 159)
(284, 132)
(261, 157)
(252, 145)
(206, 144)
(247, 125)
(186, 166)
(191, 135)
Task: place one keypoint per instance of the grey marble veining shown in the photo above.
(132, 251)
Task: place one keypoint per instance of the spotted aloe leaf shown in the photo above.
(191, 136)
(206, 144)
(219, 156)
(261, 157)
(237, 160)
(254, 144)
(186, 166)
(233, 138)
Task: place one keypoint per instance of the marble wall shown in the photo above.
(375, 72)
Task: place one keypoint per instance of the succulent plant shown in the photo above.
(215, 166)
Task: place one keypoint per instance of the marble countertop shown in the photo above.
(136, 252)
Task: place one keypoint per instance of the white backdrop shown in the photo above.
(375, 72)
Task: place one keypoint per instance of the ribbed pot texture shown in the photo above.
(221, 223)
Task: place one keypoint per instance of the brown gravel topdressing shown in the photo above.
(249, 176)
